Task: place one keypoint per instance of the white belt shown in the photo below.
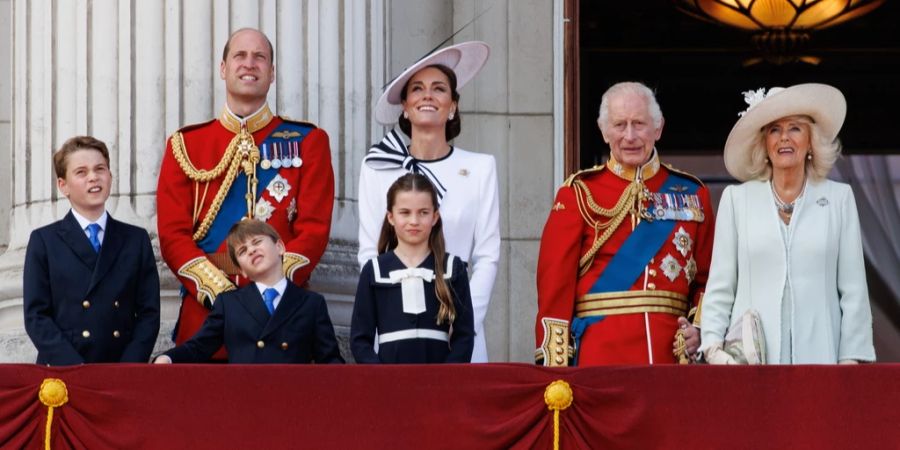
(414, 333)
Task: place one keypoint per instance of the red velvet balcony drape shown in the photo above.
(452, 406)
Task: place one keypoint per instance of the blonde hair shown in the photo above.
(824, 151)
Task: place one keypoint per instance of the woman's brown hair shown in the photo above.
(413, 182)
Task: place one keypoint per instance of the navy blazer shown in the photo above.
(299, 331)
(84, 307)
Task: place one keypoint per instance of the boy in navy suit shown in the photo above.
(91, 289)
(270, 321)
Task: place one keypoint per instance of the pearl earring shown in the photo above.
(809, 156)
(405, 115)
(451, 116)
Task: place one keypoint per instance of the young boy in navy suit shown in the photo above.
(271, 321)
(91, 289)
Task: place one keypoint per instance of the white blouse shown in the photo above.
(470, 212)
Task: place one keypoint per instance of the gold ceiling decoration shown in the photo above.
(781, 27)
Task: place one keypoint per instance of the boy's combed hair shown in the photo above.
(413, 182)
(243, 230)
(61, 156)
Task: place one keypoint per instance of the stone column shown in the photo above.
(131, 73)
(508, 111)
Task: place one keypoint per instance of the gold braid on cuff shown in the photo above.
(210, 280)
(555, 350)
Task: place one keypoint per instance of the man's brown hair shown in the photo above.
(245, 229)
(61, 156)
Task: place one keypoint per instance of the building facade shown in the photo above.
(131, 73)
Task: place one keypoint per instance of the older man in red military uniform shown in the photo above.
(626, 250)
(245, 163)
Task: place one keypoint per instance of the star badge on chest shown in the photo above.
(264, 210)
(278, 188)
(670, 267)
(690, 270)
(682, 241)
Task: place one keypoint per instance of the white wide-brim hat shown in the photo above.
(823, 103)
(465, 59)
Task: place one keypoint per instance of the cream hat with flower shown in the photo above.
(823, 103)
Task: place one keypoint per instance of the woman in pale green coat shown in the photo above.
(787, 240)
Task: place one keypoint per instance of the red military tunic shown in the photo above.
(297, 203)
(638, 325)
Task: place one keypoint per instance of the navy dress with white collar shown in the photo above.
(389, 309)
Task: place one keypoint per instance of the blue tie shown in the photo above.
(94, 236)
(269, 297)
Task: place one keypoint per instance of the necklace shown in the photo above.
(785, 207)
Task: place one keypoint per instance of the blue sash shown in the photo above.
(629, 261)
(646, 239)
(234, 206)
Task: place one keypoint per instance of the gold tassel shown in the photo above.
(558, 396)
(54, 394)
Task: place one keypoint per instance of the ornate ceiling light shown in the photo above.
(781, 26)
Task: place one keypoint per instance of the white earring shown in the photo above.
(451, 116)
(405, 115)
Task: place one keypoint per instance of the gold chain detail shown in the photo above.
(628, 202)
(218, 199)
(240, 147)
(195, 174)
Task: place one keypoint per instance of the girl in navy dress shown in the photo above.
(413, 299)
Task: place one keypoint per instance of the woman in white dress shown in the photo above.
(424, 100)
(787, 241)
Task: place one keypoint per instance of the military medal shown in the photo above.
(265, 163)
(278, 188)
(670, 267)
(263, 210)
(296, 161)
(276, 161)
(286, 156)
(292, 209)
(682, 241)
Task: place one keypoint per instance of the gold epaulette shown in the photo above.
(683, 173)
(292, 262)
(299, 122)
(580, 173)
(210, 280)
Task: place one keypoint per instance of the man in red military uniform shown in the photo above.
(246, 163)
(626, 250)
